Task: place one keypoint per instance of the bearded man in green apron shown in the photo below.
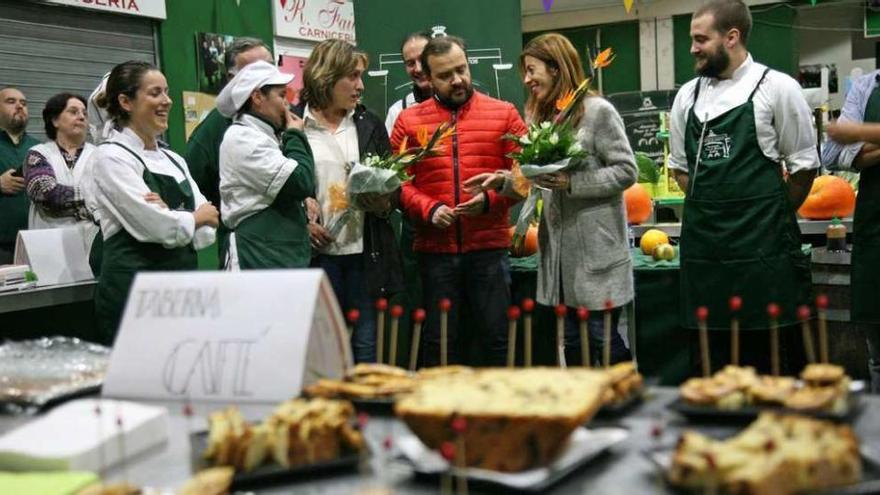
(266, 172)
(734, 129)
(854, 144)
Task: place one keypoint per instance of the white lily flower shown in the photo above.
(524, 140)
(545, 125)
(554, 139)
(575, 148)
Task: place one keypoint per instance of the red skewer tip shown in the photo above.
(803, 313)
(560, 310)
(396, 311)
(773, 310)
(353, 316)
(583, 313)
(447, 450)
(609, 305)
(381, 304)
(459, 425)
(822, 301)
(419, 315)
(528, 305)
(736, 303)
(513, 313)
(702, 313)
(445, 304)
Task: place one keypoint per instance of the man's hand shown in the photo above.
(844, 132)
(374, 203)
(556, 180)
(10, 184)
(443, 217)
(155, 199)
(483, 182)
(682, 179)
(319, 236)
(471, 207)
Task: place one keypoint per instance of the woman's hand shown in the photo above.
(319, 236)
(155, 199)
(484, 182)
(556, 180)
(207, 215)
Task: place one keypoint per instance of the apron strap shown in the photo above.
(697, 90)
(759, 83)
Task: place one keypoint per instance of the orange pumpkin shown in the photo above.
(529, 245)
(638, 204)
(829, 197)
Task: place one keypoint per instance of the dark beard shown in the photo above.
(715, 64)
(454, 105)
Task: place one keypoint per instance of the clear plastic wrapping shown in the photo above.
(36, 372)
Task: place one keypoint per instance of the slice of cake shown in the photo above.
(516, 418)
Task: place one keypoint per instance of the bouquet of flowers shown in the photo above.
(378, 175)
(551, 146)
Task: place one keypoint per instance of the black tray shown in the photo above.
(272, 473)
(870, 483)
(749, 413)
(383, 406)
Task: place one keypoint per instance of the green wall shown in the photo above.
(177, 43)
(623, 37)
(484, 24)
(773, 41)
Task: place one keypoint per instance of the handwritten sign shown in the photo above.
(250, 336)
(316, 20)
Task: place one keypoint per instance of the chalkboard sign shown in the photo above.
(641, 111)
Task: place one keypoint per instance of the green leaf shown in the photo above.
(648, 169)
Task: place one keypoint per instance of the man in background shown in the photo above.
(14, 145)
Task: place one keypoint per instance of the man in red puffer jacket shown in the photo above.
(461, 240)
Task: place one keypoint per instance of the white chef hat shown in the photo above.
(251, 77)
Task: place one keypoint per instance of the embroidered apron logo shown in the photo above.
(716, 146)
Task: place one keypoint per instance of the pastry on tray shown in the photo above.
(364, 381)
(299, 431)
(776, 454)
(825, 388)
(771, 390)
(516, 419)
(624, 382)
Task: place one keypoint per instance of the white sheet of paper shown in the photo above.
(56, 256)
(74, 437)
(249, 336)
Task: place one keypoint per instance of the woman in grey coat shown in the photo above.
(582, 241)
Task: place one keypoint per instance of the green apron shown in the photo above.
(739, 232)
(276, 237)
(124, 256)
(866, 235)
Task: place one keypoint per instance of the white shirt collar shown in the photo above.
(309, 119)
(132, 140)
(738, 74)
(257, 123)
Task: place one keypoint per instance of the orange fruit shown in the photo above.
(638, 204)
(829, 197)
(529, 245)
(652, 239)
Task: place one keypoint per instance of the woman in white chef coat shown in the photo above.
(141, 234)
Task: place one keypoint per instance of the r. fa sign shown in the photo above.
(315, 20)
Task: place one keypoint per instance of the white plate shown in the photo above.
(583, 445)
